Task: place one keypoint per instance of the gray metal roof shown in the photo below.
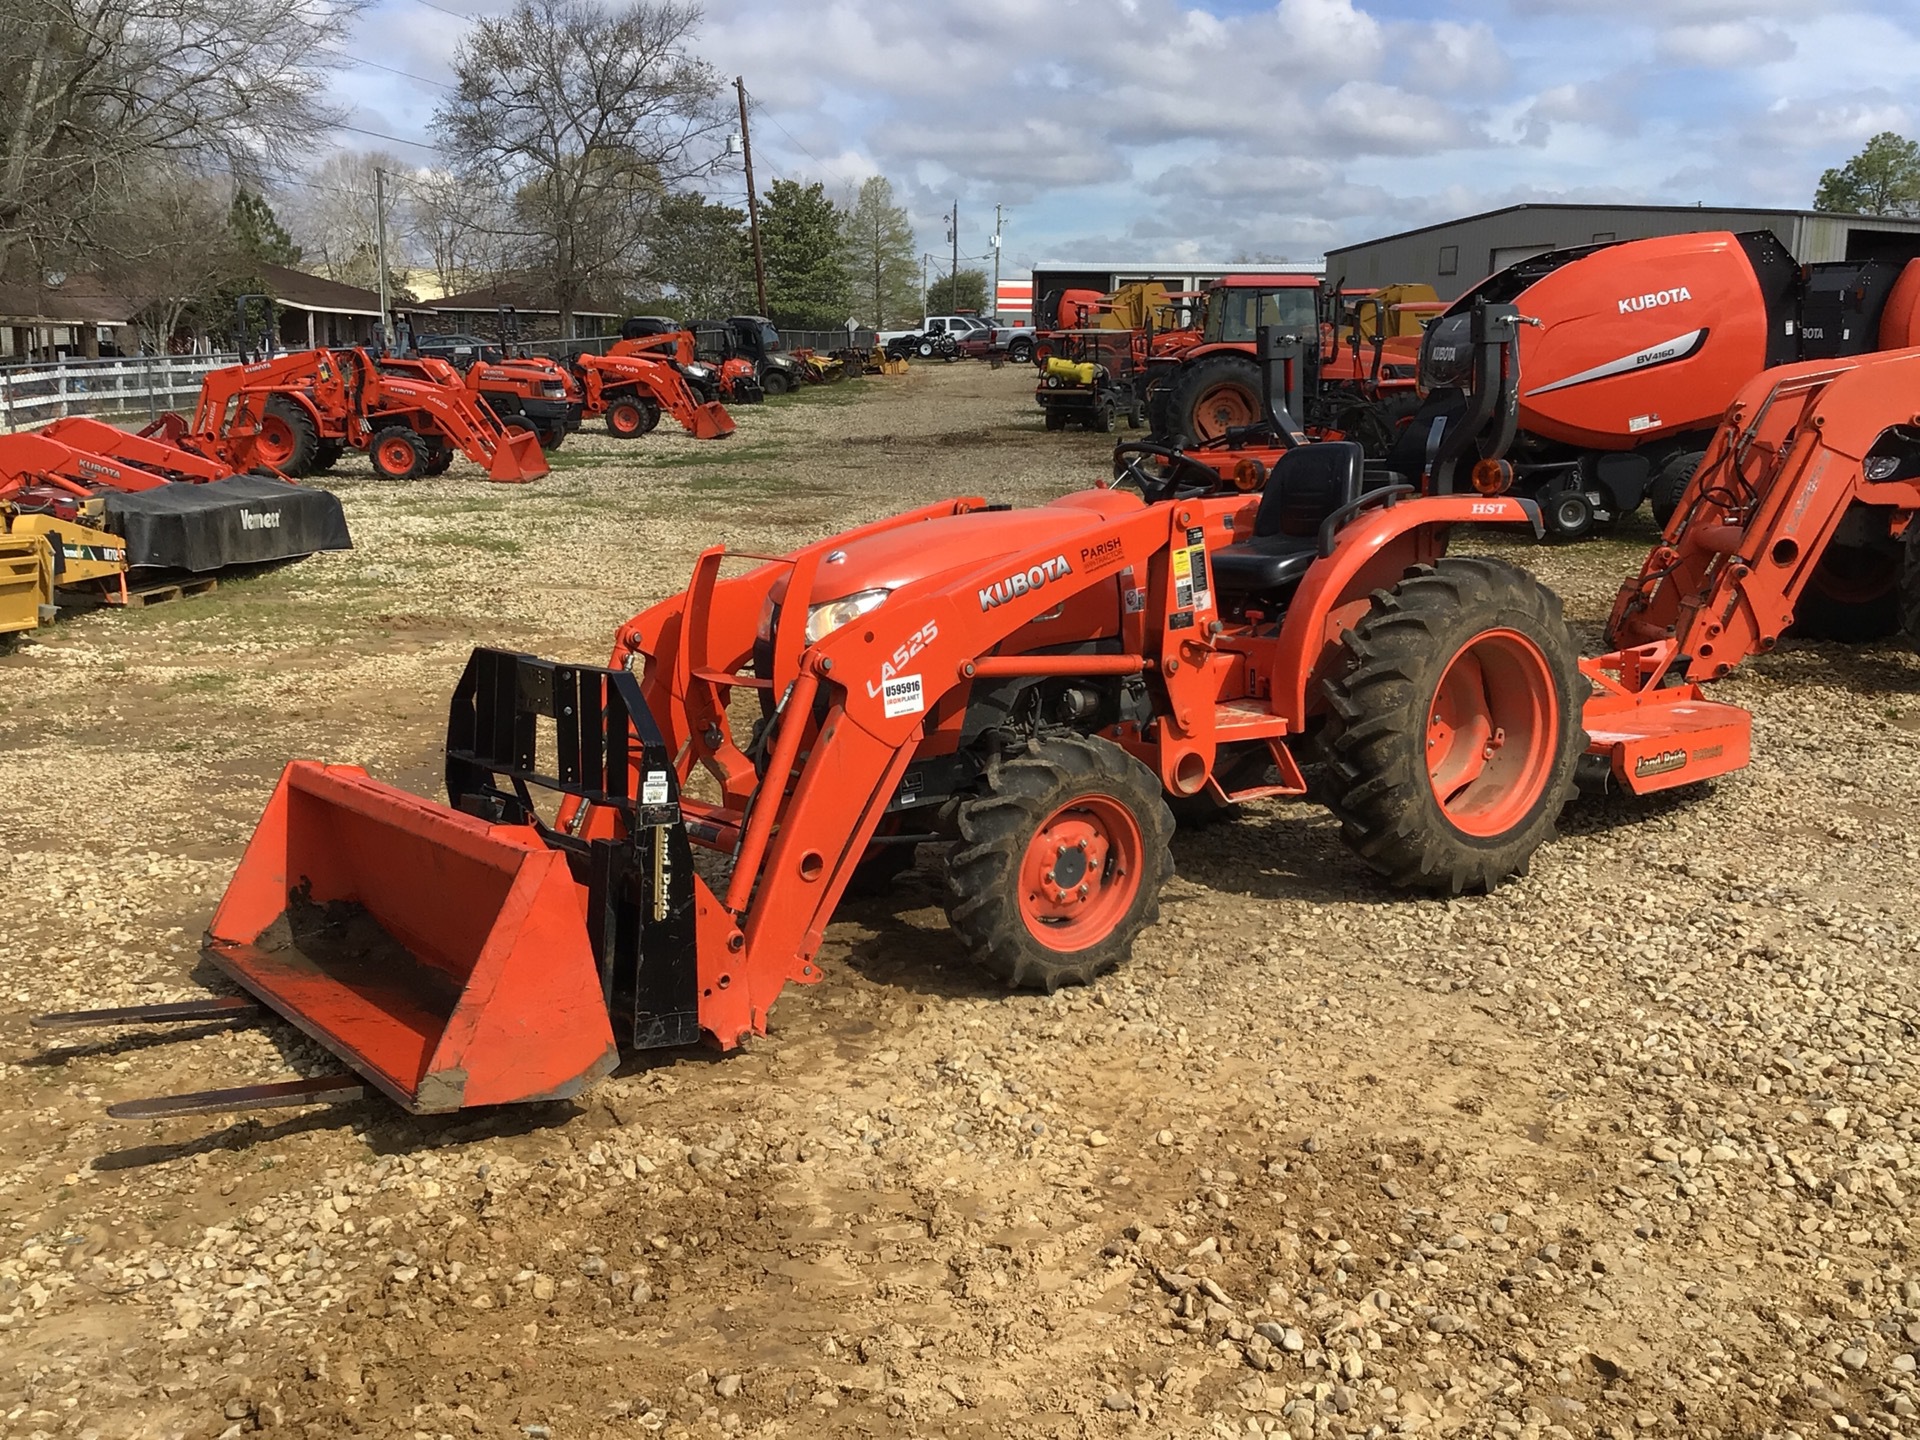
(1894, 222)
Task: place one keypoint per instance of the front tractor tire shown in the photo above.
(630, 417)
(398, 454)
(1060, 863)
(1453, 726)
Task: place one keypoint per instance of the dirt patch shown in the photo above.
(1627, 1147)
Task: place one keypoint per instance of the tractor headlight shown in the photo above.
(698, 372)
(823, 620)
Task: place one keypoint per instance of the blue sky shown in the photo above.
(1236, 129)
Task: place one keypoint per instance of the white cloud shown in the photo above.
(1726, 43)
(1303, 123)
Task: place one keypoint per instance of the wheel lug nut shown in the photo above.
(1083, 892)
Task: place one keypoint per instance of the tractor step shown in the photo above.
(316, 1090)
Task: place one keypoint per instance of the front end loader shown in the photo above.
(1025, 688)
(632, 391)
(296, 413)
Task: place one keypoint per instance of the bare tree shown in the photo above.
(586, 116)
(94, 92)
(461, 231)
(332, 216)
(172, 249)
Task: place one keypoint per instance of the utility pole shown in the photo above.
(994, 306)
(953, 275)
(924, 258)
(753, 200)
(380, 247)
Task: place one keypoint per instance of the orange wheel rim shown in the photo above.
(1080, 873)
(1491, 731)
(396, 455)
(275, 441)
(1220, 409)
(625, 419)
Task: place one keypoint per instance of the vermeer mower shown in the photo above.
(1026, 687)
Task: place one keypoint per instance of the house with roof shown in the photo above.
(532, 312)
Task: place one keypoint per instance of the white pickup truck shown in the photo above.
(922, 342)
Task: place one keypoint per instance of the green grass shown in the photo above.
(489, 541)
(721, 453)
(844, 392)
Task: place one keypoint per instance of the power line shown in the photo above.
(444, 10)
(397, 140)
(355, 60)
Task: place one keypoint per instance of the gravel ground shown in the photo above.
(1627, 1148)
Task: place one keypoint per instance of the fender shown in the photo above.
(1370, 553)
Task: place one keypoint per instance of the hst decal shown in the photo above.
(1680, 347)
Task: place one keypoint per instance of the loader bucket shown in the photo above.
(517, 457)
(710, 421)
(444, 959)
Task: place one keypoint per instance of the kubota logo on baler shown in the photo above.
(1024, 582)
(1655, 299)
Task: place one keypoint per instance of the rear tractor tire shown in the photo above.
(326, 455)
(1208, 397)
(439, 457)
(398, 454)
(1453, 728)
(1060, 863)
(288, 440)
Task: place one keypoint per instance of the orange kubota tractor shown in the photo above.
(1026, 687)
(633, 383)
(295, 414)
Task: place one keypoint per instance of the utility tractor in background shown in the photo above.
(1635, 349)
(1024, 688)
(294, 414)
(523, 392)
(1360, 356)
(635, 383)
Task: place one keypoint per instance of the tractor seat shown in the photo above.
(1306, 486)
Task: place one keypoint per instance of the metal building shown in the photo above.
(1456, 254)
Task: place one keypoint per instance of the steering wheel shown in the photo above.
(1167, 484)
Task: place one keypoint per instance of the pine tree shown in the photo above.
(879, 257)
(800, 231)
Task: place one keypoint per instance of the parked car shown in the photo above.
(1014, 341)
(926, 341)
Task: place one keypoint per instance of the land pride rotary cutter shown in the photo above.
(1026, 687)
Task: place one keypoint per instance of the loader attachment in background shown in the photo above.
(708, 421)
(446, 960)
(517, 457)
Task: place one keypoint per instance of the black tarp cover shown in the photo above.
(247, 520)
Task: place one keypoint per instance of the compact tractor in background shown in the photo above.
(524, 391)
(296, 413)
(1094, 353)
(1635, 349)
(1025, 688)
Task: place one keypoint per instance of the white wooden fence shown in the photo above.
(138, 387)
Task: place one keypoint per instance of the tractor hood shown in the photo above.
(897, 557)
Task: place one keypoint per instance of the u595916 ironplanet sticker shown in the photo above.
(902, 695)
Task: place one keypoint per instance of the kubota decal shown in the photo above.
(1680, 347)
(1657, 298)
(1023, 582)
